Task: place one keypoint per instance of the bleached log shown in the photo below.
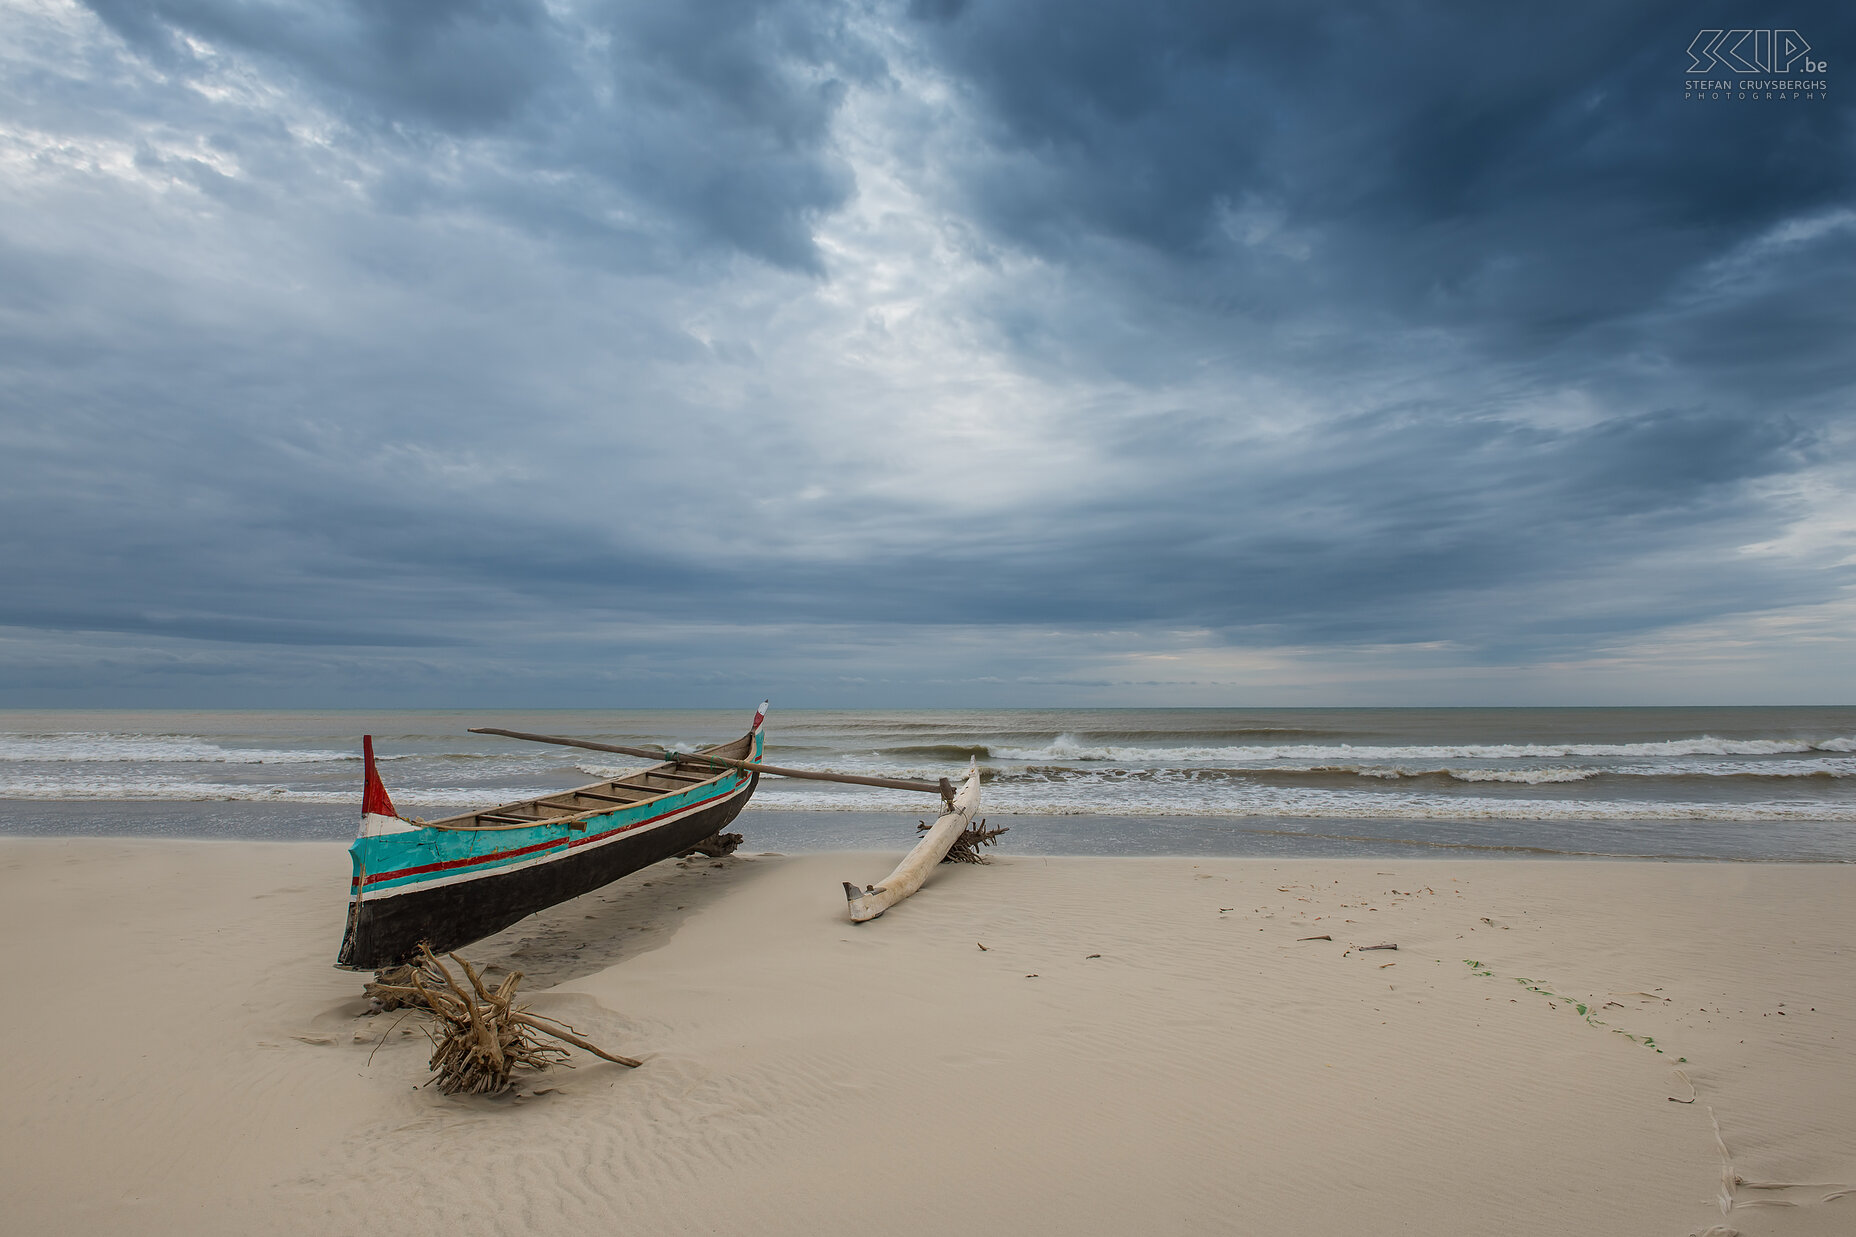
(872, 900)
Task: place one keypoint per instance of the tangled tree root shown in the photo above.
(966, 847)
(393, 988)
(714, 846)
(478, 1043)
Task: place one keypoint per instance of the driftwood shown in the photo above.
(1366, 948)
(715, 846)
(964, 849)
(479, 1040)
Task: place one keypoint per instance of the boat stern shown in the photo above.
(378, 820)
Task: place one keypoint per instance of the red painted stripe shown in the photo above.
(499, 856)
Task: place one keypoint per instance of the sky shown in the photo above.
(938, 353)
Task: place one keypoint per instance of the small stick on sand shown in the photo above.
(1364, 948)
(1314, 938)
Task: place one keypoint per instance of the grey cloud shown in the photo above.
(460, 65)
(713, 116)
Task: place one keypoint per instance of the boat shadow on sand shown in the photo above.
(588, 934)
(597, 930)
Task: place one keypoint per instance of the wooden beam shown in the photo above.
(566, 820)
(944, 788)
(605, 798)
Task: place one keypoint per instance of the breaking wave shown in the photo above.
(151, 749)
(1772, 767)
(1068, 748)
(1241, 799)
(187, 790)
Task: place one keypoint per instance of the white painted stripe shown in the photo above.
(374, 825)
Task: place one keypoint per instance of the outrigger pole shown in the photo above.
(944, 788)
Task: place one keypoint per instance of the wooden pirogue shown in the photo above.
(453, 881)
(446, 883)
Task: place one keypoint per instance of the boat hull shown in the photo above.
(450, 902)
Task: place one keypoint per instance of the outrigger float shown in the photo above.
(872, 900)
(446, 883)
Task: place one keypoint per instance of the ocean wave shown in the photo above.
(178, 790)
(152, 749)
(932, 758)
(958, 753)
(1245, 800)
(1068, 748)
(985, 747)
(1830, 768)
(1539, 775)
(1389, 773)
(108, 749)
(1526, 777)
(1062, 793)
(610, 772)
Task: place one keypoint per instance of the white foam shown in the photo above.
(1527, 777)
(1530, 777)
(1829, 767)
(1093, 792)
(1064, 776)
(1066, 749)
(151, 749)
(1240, 799)
(610, 772)
(156, 789)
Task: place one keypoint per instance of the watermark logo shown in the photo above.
(1792, 68)
(1751, 51)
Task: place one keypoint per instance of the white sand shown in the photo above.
(186, 1061)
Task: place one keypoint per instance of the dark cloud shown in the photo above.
(1528, 172)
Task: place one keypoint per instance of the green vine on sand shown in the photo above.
(1583, 1010)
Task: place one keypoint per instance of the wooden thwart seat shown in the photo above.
(603, 797)
(633, 788)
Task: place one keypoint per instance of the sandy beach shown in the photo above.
(1142, 1045)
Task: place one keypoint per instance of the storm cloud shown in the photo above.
(961, 353)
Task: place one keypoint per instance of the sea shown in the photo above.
(1744, 784)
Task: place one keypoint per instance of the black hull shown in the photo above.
(387, 931)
